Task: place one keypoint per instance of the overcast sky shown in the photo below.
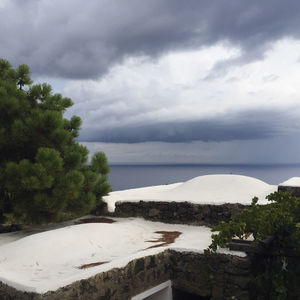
(198, 81)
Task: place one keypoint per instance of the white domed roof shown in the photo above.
(209, 189)
(222, 188)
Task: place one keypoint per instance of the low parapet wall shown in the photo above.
(179, 212)
(293, 190)
(115, 284)
(216, 276)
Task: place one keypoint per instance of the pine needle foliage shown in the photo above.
(44, 175)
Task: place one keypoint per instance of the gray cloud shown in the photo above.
(76, 39)
(247, 125)
(283, 149)
(72, 39)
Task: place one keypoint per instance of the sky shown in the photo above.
(168, 81)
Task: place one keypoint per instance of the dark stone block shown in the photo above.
(179, 212)
(293, 190)
(152, 263)
(139, 265)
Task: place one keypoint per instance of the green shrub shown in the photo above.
(277, 272)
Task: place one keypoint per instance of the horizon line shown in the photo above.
(201, 164)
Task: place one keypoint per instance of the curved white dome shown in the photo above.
(222, 183)
(224, 179)
(222, 188)
(208, 189)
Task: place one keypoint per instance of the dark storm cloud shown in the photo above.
(248, 125)
(82, 39)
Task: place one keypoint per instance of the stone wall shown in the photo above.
(215, 276)
(179, 212)
(293, 190)
(116, 284)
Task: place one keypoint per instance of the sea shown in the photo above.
(128, 176)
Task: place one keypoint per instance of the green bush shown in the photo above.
(277, 271)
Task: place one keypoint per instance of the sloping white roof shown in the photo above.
(294, 182)
(49, 260)
(209, 189)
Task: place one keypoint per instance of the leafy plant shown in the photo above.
(278, 270)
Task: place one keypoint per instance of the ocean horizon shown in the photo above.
(127, 176)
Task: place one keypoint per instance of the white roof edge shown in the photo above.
(292, 182)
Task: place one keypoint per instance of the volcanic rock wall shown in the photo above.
(216, 276)
(179, 212)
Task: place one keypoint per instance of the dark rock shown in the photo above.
(151, 263)
(139, 265)
(179, 212)
(153, 212)
(293, 190)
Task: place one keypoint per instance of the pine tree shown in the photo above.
(44, 175)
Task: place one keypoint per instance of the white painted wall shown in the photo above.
(162, 291)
